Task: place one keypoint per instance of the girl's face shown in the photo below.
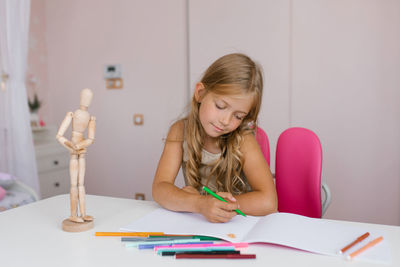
(220, 115)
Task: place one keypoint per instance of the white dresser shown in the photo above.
(52, 162)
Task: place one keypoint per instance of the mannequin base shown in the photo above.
(70, 226)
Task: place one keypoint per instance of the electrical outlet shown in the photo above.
(116, 83)
(138, 119)
(140, 196)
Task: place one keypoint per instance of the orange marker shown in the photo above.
(367, 246)
(141, 234)
(358, 240)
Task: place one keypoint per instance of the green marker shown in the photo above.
(220, 198)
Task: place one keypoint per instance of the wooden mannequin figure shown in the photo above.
(81, 120)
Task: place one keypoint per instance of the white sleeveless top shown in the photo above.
(206, 159)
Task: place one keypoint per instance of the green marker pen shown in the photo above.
(220, 198)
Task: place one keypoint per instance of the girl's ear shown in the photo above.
(199, 91)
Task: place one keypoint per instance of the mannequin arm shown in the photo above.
(61, 131)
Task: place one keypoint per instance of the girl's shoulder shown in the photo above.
(177, 131)
(249, 142)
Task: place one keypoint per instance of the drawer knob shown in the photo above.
(55, 162)
(56, 184)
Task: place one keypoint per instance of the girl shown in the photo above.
(216, 147)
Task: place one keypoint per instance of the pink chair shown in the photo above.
(262, 140)
(298, 173)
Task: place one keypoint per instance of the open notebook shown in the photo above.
(315, 235)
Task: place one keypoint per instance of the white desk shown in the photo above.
(31, 235)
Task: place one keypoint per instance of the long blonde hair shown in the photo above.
(228, 75)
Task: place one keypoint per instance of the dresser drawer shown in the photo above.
(54, 183)
(51, 156)
(53, 162)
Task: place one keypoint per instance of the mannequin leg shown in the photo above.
(73, 172)
(81, 179)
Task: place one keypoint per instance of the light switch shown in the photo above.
(112, 71)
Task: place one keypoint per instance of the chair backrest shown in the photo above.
(298, 172)
(262, 140)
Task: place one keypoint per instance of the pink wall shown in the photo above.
(265, 38)
(37, 80)
(346, 64)
(331, 68)
(148, 39)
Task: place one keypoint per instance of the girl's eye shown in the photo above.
(219, 107)
(239, 117)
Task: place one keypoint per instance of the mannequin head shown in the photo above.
(86, 97)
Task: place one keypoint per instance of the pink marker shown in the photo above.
(235, 245)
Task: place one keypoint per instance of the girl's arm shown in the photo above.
(262, 200)
(173, 198)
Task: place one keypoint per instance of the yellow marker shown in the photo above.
(141, 234)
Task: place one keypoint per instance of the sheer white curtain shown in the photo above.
(17, 155)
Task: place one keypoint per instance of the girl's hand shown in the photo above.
(217, 211)
(190, 189)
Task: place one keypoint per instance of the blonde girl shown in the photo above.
(215, 145)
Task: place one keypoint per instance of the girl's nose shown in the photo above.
(225, 118)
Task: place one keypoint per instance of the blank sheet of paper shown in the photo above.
(315, 235)
(182, 223)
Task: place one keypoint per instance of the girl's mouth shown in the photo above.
(217, 128)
